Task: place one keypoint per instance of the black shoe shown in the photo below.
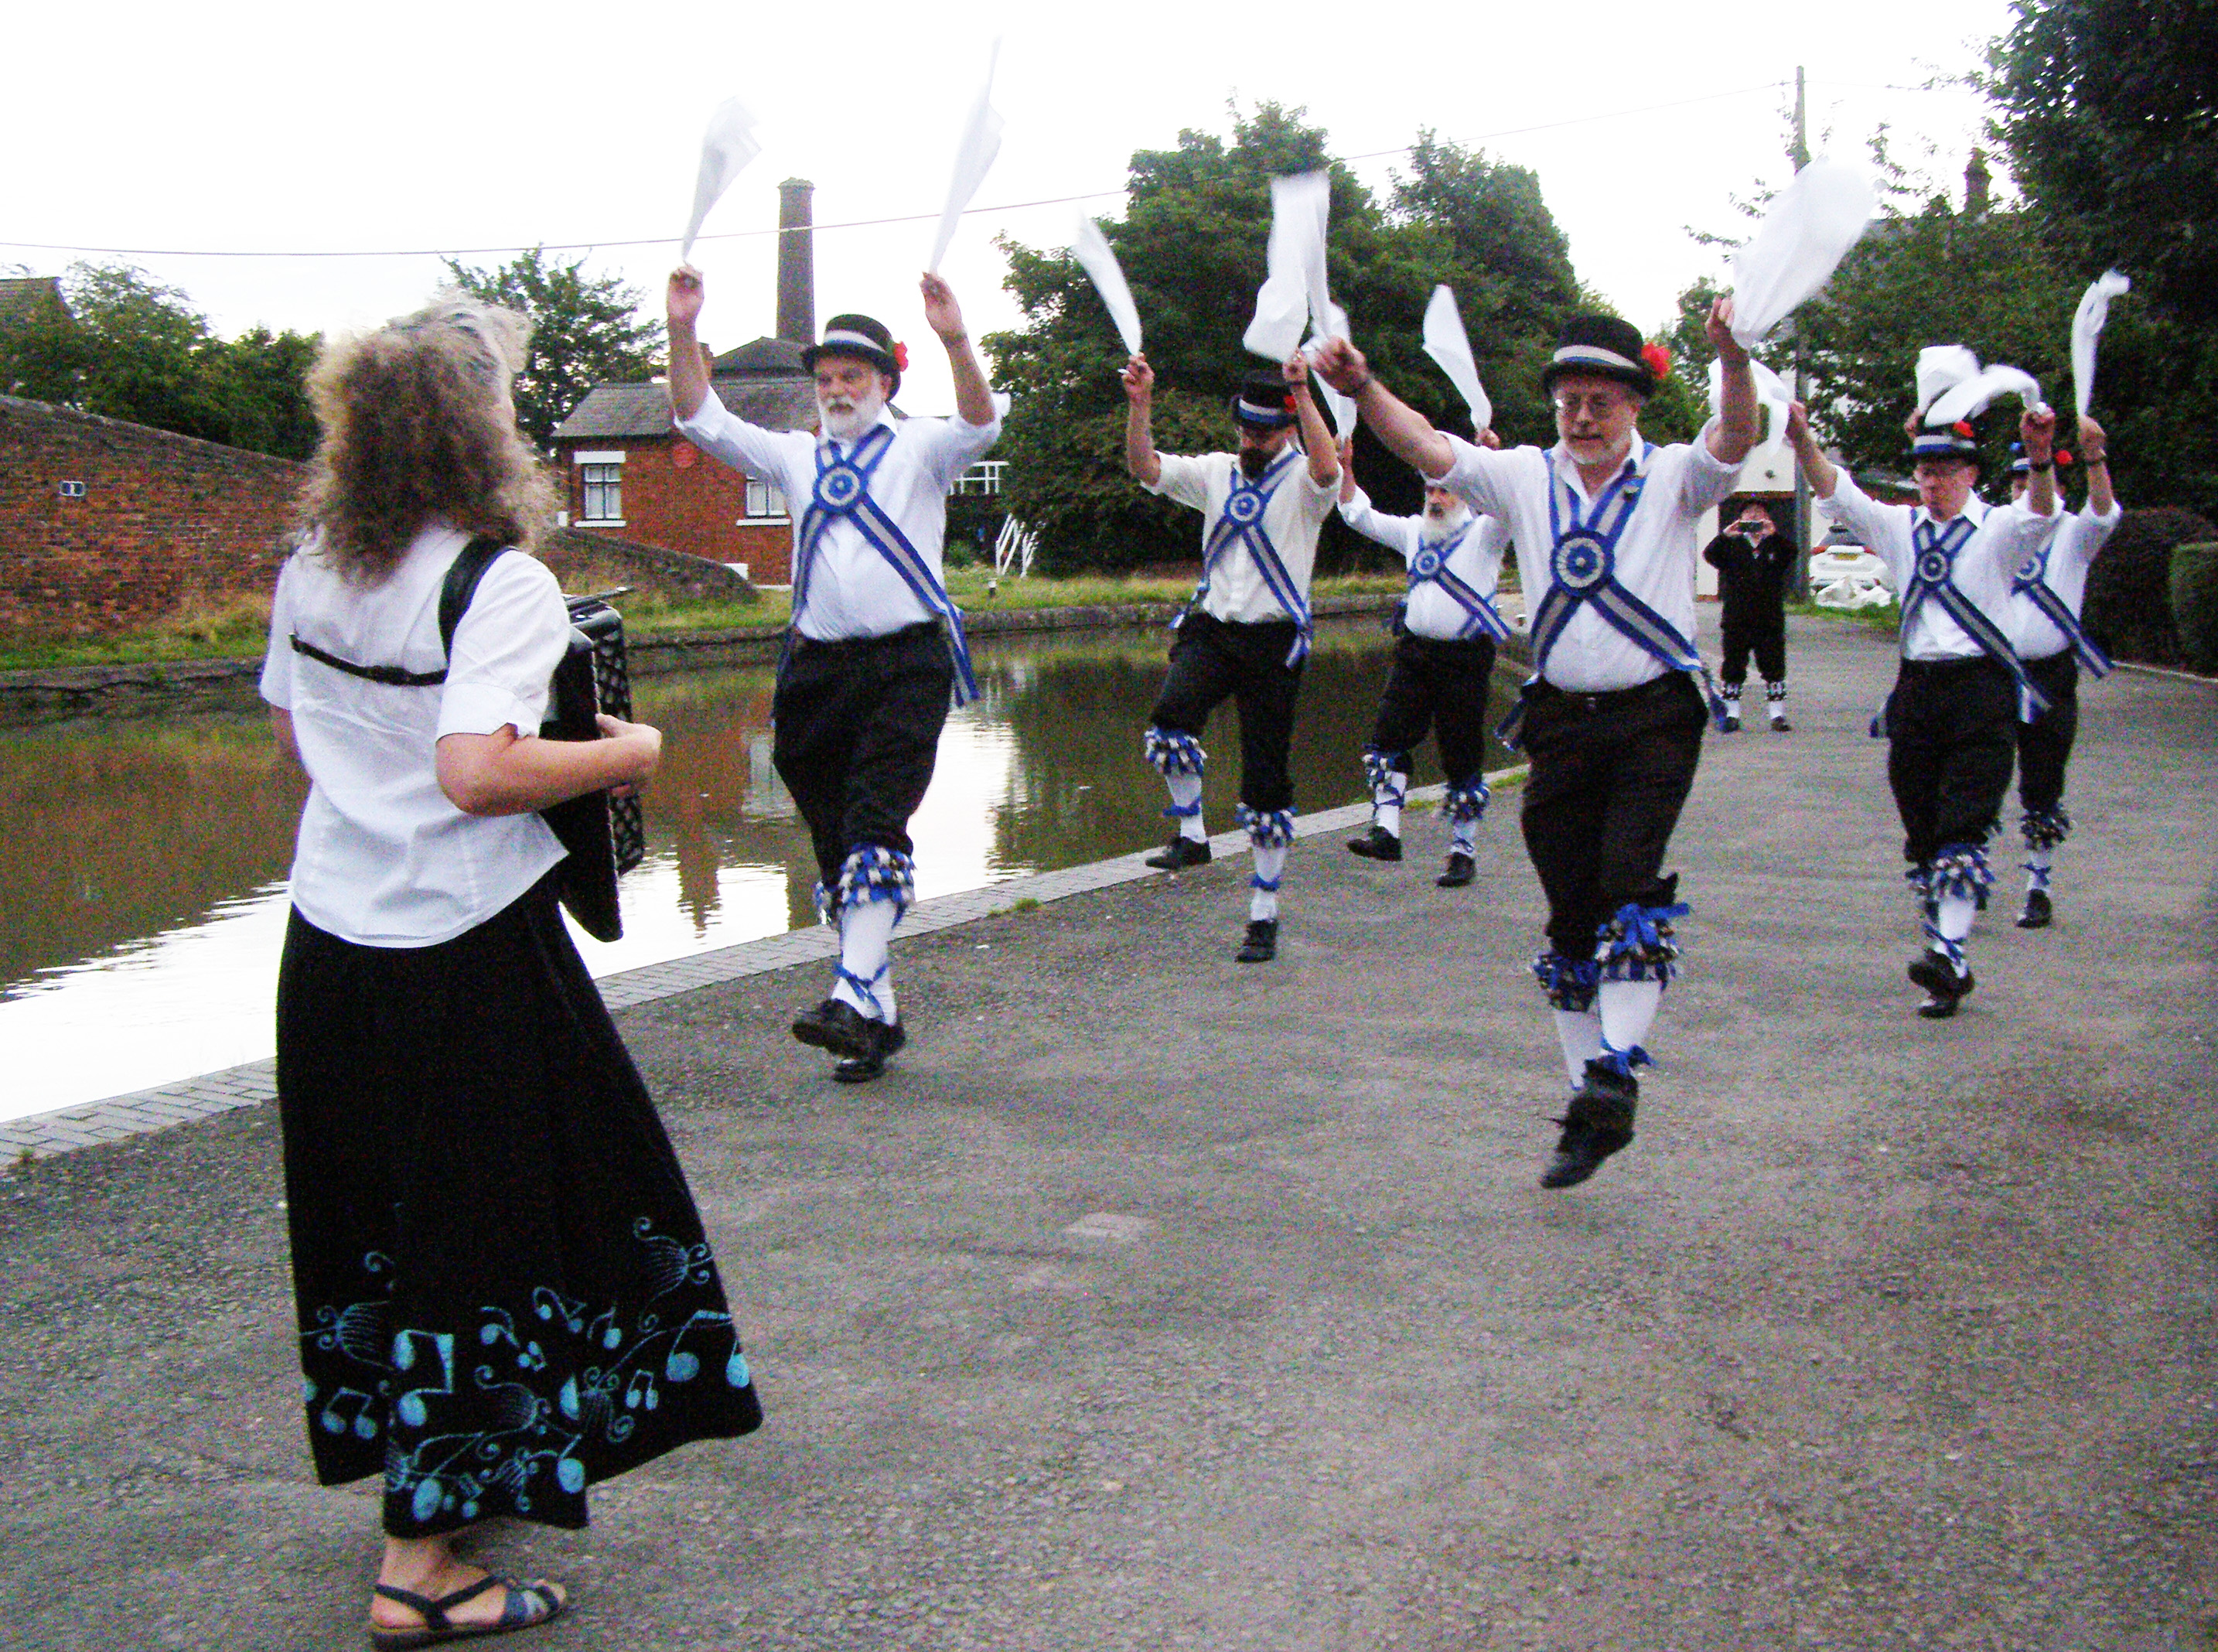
(2038, 912)
(1597, 1123)
(1377, 844)
(1461, 871)
(836, 1025)
(1262, 942)
(1180, 853)
(885, 1038)
(1979, 899)
(1731, 726)
(1781, 726)
(1944, 988)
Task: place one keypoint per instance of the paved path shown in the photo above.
(1159, 1302)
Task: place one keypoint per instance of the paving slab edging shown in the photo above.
(142, 1111)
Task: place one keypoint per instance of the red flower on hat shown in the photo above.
(2062, 457)
(901, 358)
(1658, 360)
(1963, 427)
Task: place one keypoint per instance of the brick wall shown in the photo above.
(679, 498)
(163, 517)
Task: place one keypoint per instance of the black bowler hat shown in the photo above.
(1606, 347)
(1265, 402)
(1956, 441)
(866, 340)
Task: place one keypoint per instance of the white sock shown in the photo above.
(1270, 865)
(1579, 1031)
(1386, 810)
(866, 933)
(1463, 836)
(1628, 1009)
(1186, 792)
(2037, 862)
(1776, 702)
(1954, 923)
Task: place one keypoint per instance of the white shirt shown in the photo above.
(2001, 536)
(853, 591)
(2063, 568)
(1656, 552)
(1476, 561)
(383, 858)
(1292, 521)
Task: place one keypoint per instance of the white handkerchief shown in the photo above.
(1449, 346)
(1941, 369)
(1773, 393)
(974, 158)
(2086, 328)
(726, 149)
(1342, 408)
(1812, 225)
(1092, 250)
(1976, 394)
(1294, 267)
(1282, 308)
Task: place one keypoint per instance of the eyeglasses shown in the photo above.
(1599, 404)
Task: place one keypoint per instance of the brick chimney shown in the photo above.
(797, 262)
(1976, 182)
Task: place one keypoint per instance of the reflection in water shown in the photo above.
(141, 864)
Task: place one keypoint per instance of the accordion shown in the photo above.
(606, 836)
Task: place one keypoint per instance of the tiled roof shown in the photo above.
(764, 358)
(641, 411)
(21, 297)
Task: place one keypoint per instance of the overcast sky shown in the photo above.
(410, 128)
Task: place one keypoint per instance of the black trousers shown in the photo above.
(1766, 638)
(2044, 746)
(1610, 774)
(855, 733)
(1951, 738)
(1214, 659)
(1439, 684)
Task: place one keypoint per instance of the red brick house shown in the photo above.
(625, 472)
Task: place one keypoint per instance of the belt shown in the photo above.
(884, 640)
(1610, 699)
(1961, 665)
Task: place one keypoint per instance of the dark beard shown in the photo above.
(1253, 462)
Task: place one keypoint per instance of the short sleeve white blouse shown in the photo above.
(383, 858)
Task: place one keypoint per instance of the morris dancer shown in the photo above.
(1950, 720)
(1613, 716)
(875, 645)
(1246, 632)
(1755, 562)
(2046, 595)
(1444, 636)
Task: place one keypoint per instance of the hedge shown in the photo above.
(2128, 609)
(2195, 605)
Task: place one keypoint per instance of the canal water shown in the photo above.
(143, 860)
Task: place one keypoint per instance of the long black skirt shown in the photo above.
(505, 1294)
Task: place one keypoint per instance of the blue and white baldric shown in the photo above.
(1932, 576)
(2031, 582)
(1242, 524)
(843, 492)
(1430, 565)
(1582, 559)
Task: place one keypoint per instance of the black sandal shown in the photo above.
(528, 1605)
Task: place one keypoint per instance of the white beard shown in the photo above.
(842, 421)
(1446, 521)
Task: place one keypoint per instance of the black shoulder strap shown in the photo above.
(469, 568)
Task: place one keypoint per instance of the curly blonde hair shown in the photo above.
(417, 423)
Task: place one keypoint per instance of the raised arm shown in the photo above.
(1317, 435)
(1140, 455)
(2036, 429)
(1824, 478)
(1739, 422)
(974, 401)
(689, 373)
(1408, 434)
(2093, 445)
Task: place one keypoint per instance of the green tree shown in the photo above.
(586, 330)
(1192, 244)
(130, 348)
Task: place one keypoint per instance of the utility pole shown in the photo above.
(1802, 535)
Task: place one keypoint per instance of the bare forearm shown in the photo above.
(1407, 433)
(689, 373)
(1140, 455)
(1323, 454)
(500, 774)
(974, 400)
(2100, 494)
(1738, 420)
(1824, 478)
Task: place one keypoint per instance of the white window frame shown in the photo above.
(608, 481)
(765, 502)
(984, 477)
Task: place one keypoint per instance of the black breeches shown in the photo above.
(855, 731)
(1437, 685)
(1610, 774)
(1950, 740)
(1212, 660)
(2044, 746)
(1767, 640)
